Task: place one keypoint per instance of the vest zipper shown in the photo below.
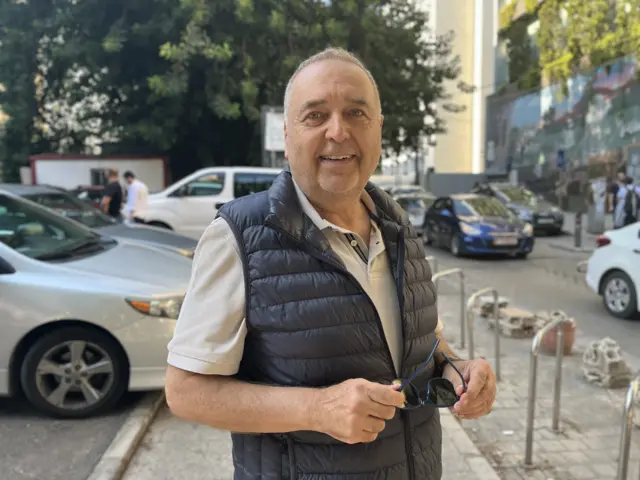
(400, 289)
(320, 256)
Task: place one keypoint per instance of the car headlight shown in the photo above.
(158, 307)
(469, 230)
(186, 252)
(527, 230)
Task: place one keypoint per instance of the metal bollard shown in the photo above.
(496, 315)
(433, 261)
(460, 273)
(533, 377)
(627, 427)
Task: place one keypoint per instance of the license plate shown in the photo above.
(505, 241)
(545, 220)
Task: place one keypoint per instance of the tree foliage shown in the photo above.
(575, 34)
(187, 78)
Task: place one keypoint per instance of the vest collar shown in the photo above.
(285, 213)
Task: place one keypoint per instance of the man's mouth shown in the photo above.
(337, 158)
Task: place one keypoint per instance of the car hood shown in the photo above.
(135, 267)
(494, 224)
(159, 237)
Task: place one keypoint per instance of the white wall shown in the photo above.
(70, 172)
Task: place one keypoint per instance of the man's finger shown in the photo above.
(386, 395)
(477, 379)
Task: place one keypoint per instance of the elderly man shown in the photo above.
(310, 302)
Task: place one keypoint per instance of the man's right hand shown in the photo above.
(355, 411)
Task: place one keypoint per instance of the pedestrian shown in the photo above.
(614, 192)
(631, 202)
(310, 302)
(111, 201)
(137, 194)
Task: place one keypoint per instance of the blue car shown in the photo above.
(470, 224)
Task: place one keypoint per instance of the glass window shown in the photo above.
(481, 207)
(519, 195)
(248, 183)
(38, 232)
(206, 185)
(69, 206)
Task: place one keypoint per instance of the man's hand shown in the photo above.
(481, 388)
(355, 411)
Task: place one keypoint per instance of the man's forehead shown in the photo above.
(319, 79)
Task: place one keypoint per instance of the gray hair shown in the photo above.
(331, 53)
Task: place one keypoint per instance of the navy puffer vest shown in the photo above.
(310, 324)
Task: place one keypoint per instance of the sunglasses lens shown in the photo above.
(441, 393)
(412, 396)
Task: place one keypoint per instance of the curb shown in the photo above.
(115, 460)
(480, 466)
(570, 248)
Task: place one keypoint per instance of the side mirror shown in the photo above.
(183, 191)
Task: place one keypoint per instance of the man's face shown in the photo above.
(129, 180)
(333, 128)
(621, 178)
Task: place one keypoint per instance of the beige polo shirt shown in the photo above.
(211, 329)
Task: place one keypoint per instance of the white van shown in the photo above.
(189, 205)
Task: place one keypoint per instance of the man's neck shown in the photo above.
(349, 214)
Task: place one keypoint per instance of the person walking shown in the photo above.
(111, 201)
(137, 195)
(309, 329)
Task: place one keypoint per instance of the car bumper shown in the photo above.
(547, 223)
(486, 246)
(145, 342)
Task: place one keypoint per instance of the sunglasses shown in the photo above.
(439, 392)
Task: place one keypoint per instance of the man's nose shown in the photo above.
(337, 129)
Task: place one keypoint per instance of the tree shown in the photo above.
(187, 78)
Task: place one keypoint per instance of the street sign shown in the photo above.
(274, 132)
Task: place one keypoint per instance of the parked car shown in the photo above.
(416, 205)
(613, 270)
(89, 193)
(406, 190)
(190, 204)
(66, 204)
(543, 216)
(476, 224)
(84, 317)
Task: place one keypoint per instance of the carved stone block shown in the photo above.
(603, 365)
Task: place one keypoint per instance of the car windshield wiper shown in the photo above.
(70, 250)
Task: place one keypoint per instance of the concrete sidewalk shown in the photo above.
(587, 447)
(174, 449)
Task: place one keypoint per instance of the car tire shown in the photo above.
(454, 246)
(619, 295)
(99, 371)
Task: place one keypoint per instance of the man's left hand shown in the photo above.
(481, 388)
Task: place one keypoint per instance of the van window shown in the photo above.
(206, 185)
(248, 183)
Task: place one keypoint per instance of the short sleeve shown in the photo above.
(110, 190)
(211, 328)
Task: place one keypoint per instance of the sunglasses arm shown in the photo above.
(451, 361)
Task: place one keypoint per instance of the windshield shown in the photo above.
(481, 207)
(72, 207)
(519, 195)
(415, 203)
(37, 232)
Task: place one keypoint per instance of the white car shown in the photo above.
(613, 270)
(190, 205)
(84, 317)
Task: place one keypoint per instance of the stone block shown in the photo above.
(485, 304)
(603, 365)
(514, 322)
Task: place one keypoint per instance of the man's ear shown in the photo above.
(286, 153)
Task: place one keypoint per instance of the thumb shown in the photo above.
(459, 390)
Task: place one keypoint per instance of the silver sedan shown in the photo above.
(84, 317)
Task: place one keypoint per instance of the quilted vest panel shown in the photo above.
(310, 324)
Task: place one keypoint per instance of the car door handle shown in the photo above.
(219, 205)
(635, 250)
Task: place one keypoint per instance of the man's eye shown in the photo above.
(314, 116)
(357, 112)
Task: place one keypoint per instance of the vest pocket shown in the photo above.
(289, 461)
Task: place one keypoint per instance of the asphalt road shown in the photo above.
(546, 280)
(33, 447)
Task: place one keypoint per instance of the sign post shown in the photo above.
(272, 120)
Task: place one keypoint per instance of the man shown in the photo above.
(137, 195)
(631, 202)
(112, 197)
(308, 300)
(614, 190)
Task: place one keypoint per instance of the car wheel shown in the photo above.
(454, 246)
(74, 372)
(619, 295)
